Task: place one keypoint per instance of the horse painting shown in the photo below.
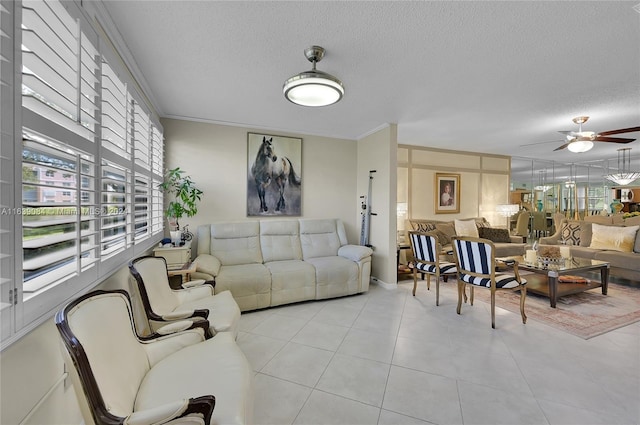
(269, 169)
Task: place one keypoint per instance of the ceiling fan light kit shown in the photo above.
(582, 141)
(313, 88)
(624, 176)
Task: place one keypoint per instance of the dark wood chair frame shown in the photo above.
(148, 310)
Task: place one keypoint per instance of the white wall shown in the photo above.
(378, 152)
(30, 369)
(215, 156)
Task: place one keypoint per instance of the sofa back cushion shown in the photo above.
(320, 238)
(236, 243)
(280, 240)
(103, 326)
(614, 238)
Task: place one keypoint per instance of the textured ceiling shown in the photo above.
(477, 76)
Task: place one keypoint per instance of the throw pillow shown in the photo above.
(441, 238)
(447, 230)
(425, 227)
(570, 232)
(466, 228)
(613, 238)
(494, 235)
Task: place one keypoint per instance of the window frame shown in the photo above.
(26, 315)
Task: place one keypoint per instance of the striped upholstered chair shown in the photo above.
(426, 254)
(476, 263)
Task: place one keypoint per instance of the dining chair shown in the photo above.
(426, 253)
(476, 264)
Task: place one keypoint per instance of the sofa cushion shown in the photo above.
(319, 238)
(584, 252)
(291, 280)
(224, 314)
(494, 234)
(236, 243)
(614, 238)
(280, 240)
(250, 285)
(623, 260)
(335, 276)
(466, 228)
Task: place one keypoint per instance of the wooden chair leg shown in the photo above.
(428, 282)
(493, 308)
(460, 291)
(471, 295)
(523, 295)
(437, 290)
(415, 280)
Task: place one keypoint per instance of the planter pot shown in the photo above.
(176, 237)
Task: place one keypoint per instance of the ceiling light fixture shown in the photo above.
(579, 146)
(580, 141)
(313, 88)
(624, 176)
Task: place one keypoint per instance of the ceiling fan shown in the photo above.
(582, 141)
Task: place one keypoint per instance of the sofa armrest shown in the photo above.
(206, 263)
(172, 412)
(550, 240)
(516, 239)
(355, 252)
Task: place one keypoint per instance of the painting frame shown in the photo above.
(274, 170)
(447, 193)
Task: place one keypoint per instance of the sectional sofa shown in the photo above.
(608, 238)
(266, 263)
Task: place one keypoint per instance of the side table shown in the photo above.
(183, 271)
(176, 256)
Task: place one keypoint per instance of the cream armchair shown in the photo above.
(163, 304)
(121, 378)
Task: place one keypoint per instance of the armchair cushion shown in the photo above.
(215, 366)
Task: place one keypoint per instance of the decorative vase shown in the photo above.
(616, 206)
(539, 205)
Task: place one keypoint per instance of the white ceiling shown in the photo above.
(475, 76)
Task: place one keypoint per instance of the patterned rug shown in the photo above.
(586, 314)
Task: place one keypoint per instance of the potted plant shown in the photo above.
(185, 197)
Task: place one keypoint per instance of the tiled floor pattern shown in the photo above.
(386, 357)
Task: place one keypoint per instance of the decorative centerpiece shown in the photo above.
(550, 257)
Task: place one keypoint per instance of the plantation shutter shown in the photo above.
(157, 158)
(115, 222)
(8, 296)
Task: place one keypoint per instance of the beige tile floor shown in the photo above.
(386, 357)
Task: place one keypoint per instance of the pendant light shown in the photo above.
(313, 88)
(624, 176)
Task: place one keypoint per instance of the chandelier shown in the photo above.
(313, 88)
(507, 210)
(624, 176)
(542, 179)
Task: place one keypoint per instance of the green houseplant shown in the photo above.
(184, 197)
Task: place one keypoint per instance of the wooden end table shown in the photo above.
(183, 271)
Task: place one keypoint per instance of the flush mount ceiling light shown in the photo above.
(313, 88)
(624, 176)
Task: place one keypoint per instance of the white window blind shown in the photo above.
(157, 151)
(157, 210)
(7, 215)
(116, 222)
(115, 119)
(142, 207)
(141, 137)
(58, 76)
(59, 236)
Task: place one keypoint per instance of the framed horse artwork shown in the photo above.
(274, 167)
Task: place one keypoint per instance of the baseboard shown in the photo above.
(385, 285)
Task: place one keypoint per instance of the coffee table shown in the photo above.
(545, 278)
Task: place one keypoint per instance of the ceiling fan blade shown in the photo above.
(613, 139)
(562, 147)
(541, 143)
(622, 130)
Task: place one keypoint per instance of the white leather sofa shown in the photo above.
(176, 378)
(272, 262)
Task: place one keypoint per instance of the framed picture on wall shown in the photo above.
(274, 167)
(447, 193)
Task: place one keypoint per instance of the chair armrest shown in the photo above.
(209, 264)
(177, 315)
(354, 252)
(174, 411)
(193, 283)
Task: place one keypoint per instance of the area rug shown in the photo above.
(585, 315)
